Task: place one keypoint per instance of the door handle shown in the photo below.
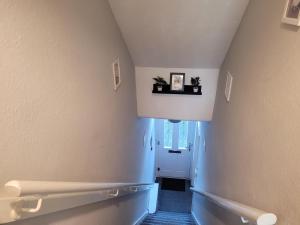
(174, 152)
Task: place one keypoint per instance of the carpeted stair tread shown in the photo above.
(169, 218)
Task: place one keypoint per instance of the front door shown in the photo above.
(174, 148)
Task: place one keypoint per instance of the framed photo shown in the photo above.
(177, 81)
(116, 73)
(291, 13)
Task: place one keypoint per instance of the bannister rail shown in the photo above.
(247, 213)
(25, 199)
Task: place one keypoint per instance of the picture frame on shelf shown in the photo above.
(291, 14)
(177, 81)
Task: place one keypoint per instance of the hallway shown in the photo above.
(134, 112)
(169, 218)
(174, 203)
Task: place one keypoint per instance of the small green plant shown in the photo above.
(195, 81)
(160, 81)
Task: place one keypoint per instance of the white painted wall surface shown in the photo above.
(177, 33)
(60, 118)
(252, 145)
(153, 198)
(184, 107)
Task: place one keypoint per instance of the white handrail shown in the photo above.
(18, 188)
(247, 213)
(25, 199)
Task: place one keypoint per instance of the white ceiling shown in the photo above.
(178, 33)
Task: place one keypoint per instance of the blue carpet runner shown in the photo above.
(169, 218)
(175, 201)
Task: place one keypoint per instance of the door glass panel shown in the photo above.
(183, 134)
(168, 134)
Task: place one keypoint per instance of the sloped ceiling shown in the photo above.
(178, 33)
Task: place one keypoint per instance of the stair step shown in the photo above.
(169, 218)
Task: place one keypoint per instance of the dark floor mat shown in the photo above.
(173, 184)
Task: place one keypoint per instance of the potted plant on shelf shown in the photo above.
(159, 82)
(195, 81)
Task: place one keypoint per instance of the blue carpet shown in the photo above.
(175, 201)
(169, 218)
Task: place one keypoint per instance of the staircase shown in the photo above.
(169, 218)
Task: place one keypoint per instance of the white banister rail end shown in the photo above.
(247, 213)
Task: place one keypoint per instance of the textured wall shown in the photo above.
(253, 142)
(182, 107)
(59, 116)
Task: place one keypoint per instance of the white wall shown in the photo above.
(198, 146)
(200, 151)
(253, 142)
(148, 164)
(177, 33)
(184, 107)
(60, 118)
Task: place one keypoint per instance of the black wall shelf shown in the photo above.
(166, 89)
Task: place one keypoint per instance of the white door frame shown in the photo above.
(174, 162)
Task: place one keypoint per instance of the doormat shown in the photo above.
(173, 184)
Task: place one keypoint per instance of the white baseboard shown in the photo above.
(141, 219)
(195, 218)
